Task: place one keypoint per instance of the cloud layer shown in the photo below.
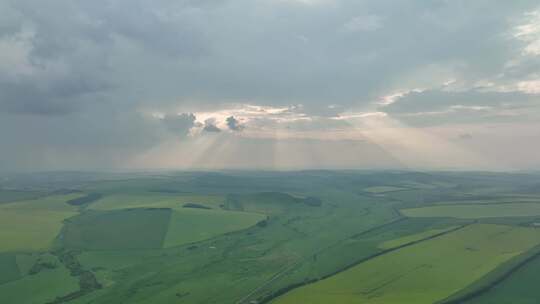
(102, 83)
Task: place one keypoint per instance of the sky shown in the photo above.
(269, 84)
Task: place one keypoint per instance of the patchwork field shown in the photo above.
(423, 273)
(269, 237)
(475, 211)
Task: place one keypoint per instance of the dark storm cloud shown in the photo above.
(234, 124)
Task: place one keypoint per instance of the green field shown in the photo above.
(493, 201)
(49, 203)
(8, 196)
(190, 225)
(42, 287)
(119, 229)
(424, 273)
(155, 200)
(25, 262)
(8, 265)
(33, 225)
(114, 259)
(475, 211)
(520, 288)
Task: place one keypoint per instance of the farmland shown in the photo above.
(270, 237)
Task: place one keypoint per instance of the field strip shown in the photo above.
(472, 211)
(483, 204)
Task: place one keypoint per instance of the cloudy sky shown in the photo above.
(273, 84)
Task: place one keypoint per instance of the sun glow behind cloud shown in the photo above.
(271, 140)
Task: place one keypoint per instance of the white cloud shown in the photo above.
(529, 86)
(14, 52)
(529, 32)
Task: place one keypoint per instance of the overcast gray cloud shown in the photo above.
(102, 69)
(179, 125)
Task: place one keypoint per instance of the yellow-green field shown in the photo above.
(34, 224)
(475, 211)
(188, 225)
(155, 200)
(423, 273)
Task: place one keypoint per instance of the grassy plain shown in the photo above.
(475, 211)
(423, 273)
